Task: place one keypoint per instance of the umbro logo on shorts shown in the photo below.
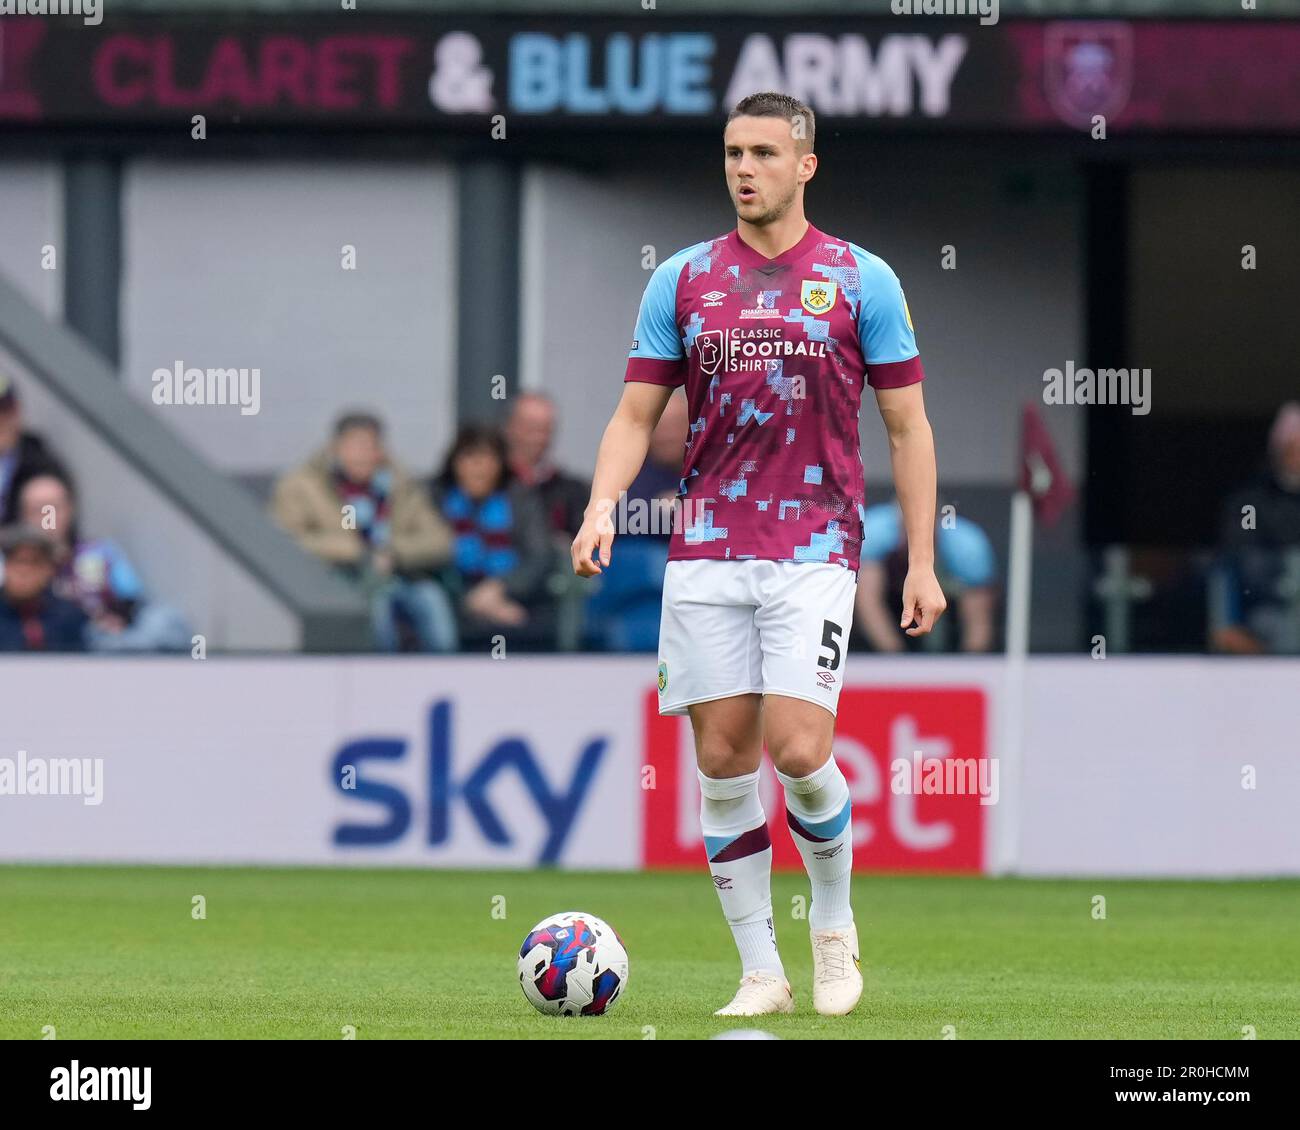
(827, 679)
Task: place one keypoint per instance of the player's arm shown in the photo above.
(622, 451)
(894, 372)
(655, 367)
(911, 453)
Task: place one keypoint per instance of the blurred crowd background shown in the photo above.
(480, 548)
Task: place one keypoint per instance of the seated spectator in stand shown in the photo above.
(529, 433)
(96, 575)
(503, 553)
(964, 561)
(22, 454)
(1259, 572)
(356, 509)
(32, 618)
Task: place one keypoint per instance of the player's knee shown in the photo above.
(726, 747)
(720, 752)
(722, 759)
(798, 754)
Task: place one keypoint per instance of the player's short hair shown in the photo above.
(770, 104)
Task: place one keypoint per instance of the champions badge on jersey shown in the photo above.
(817, 296)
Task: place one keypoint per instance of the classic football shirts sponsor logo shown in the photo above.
(749, 350)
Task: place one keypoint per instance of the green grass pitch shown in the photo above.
(302, 953)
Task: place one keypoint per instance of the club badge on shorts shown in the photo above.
(663, 677)
(817, 295)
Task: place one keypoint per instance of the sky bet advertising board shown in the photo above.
(566, 762)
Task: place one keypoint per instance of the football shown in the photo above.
(572, 964)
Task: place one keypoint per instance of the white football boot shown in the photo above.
(837, 976)
(760, 993)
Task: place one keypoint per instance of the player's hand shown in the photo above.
(923, 602)
(597, 534)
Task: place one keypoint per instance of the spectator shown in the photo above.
(96, 576)
(529, 433)
(22, 454)
(32, 618)
(1259, 573)
(360, 512)
(965, 565)
(503, 552)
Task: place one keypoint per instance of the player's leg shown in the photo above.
(729, 747)
(803, 625)
(710, 668)
(799, 735)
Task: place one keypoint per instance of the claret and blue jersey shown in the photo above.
(773, 354)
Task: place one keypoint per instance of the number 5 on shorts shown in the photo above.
(829, 631)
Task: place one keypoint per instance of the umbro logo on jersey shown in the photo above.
(714, 298)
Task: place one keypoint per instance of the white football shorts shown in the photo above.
(753, 627)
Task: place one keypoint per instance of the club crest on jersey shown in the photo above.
(817, 295)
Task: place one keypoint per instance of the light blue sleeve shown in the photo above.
(967, 553)
(884, 321)
(657, 337)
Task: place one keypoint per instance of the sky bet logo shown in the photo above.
(464, 798)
